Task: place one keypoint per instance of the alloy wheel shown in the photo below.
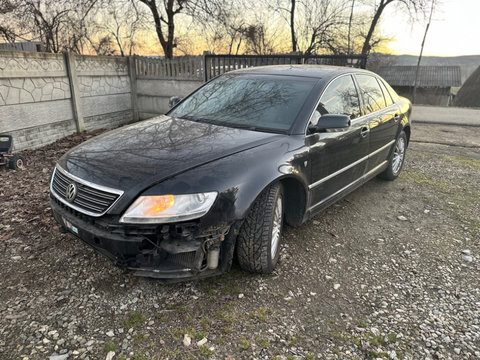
(398, 155)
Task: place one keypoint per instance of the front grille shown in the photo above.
(88, 219)
(88, 199)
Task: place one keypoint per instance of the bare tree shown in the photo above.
(413, 7)
(311, 22)
(237, 26)
(357, 29)
(323, 20)
(103, 46)
(256, 39)
(288, 8)
(164, 16)
(58, 24)
(264, 34)
(220, 23)
(6, 7)
(293, 35)
(119, 21)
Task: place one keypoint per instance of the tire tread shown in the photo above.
(253, 250)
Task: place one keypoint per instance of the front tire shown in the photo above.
(258, 242)
(395, 165)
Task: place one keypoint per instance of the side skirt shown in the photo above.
(333, 198)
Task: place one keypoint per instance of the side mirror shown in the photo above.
(330, 121)
(174, 100)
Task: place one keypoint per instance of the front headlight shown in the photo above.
(168, 208)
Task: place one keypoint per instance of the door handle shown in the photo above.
(396, 118)
(364, 132)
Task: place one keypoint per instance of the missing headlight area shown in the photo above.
(180, 247)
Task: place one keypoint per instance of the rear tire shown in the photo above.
(17, 162)
(258, 242)
(395, 165)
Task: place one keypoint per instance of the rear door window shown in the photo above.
(372, 94)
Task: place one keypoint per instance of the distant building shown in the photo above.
(469, 93)
(434, 86)
(35, 46)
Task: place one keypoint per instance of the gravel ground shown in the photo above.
(391, 271)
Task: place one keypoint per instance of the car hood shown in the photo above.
(135, 157)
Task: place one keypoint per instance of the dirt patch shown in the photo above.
(380, 274)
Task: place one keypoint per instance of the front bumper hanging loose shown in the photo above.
(165, 251)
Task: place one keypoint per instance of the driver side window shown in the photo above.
(340, 97)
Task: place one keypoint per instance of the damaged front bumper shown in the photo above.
(167, 251)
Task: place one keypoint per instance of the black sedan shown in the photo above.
(178, 196)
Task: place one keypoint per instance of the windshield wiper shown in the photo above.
(248, 127)
(233, 125)
(192, 118)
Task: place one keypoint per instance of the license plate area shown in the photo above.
(70, 227)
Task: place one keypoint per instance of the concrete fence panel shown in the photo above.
(157, 80)
(44, 97)
(35, 105)
(104, 89)
(153, 94)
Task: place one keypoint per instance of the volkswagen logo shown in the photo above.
(71, 192)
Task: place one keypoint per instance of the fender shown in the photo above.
(240, 178)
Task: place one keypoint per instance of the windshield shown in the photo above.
(254, 102)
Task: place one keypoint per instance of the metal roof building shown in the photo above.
(428, 76)
(35, 46)
(434, 82)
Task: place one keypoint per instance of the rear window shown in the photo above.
(371, 92)
(388, 97)
(248, 101)
(392, 92)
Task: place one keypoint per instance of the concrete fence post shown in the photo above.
(132, 73)
(75, 91)
(206, 66)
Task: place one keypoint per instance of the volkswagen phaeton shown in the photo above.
(183, 194)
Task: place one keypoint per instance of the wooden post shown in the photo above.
(74, 91)
(132, 73)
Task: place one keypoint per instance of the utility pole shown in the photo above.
(421, 53)
(350, 28)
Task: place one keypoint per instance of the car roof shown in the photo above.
(311, 71)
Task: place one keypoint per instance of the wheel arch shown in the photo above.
(407, 131)
(295, 200)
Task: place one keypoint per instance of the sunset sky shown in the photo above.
(454, 30)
